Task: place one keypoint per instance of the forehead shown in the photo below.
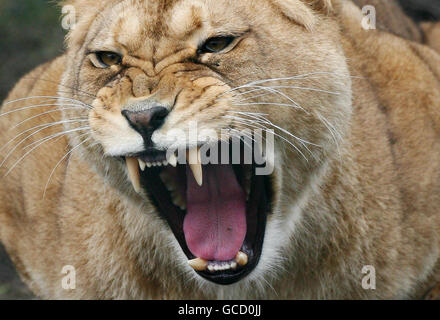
(142, 27)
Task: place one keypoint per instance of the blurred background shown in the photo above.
(30, 33)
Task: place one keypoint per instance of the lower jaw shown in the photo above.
(257, 208)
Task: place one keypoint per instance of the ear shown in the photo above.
(323, 6)
(303, 11)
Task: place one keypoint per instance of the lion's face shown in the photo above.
(170, 79)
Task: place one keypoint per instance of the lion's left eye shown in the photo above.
(216, 44)
(105, 59)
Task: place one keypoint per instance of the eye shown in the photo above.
(105, 59)
(216, 44)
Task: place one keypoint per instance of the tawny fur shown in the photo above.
(368, 195)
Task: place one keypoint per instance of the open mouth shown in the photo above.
(217, 212)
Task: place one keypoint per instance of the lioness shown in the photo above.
(90, 191)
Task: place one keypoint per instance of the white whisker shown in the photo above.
(46, 97)
(55, 135)
(254, 125)
(72, 107)
(62, 159)
(32, 134)
(45, 125)
(36, 106)
(27, 153)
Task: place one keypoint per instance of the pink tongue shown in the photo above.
(215, 222)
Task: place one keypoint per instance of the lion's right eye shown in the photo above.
(105, 59)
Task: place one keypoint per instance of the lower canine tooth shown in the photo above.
(198, 264)
(241, 258)
(133, 172)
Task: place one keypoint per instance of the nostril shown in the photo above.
(146, 121)
(158, 117)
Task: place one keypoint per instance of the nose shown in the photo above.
(146, 121)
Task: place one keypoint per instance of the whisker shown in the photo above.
(282, 94)
(297, 77)
(46, 97)
(254, 97)
(61, 85)
(55, 135)
(44, 113)
(257, 126)
(39, 106)
(45, 125)
(62, 159)
(306, 88)
(332, 131)
(267, 121)
(27, 153)
(69, 93)
(240, 134)
(32, 134)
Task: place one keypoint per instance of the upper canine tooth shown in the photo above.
(173, 160)
(142, 164)
(241, 258)
(133, 172)
(198, 264)
(195, 163)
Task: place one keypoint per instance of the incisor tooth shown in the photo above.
(142, 164)
(198, 264)
(173, 160)
(195, 164)
(241, 258)
(133, 172)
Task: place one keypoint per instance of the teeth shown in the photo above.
(214, 266)
(142, 164)
(241, 258)
(149, 165)
(133, 172)
(173, 160)
(195, 163)
(198, 264)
